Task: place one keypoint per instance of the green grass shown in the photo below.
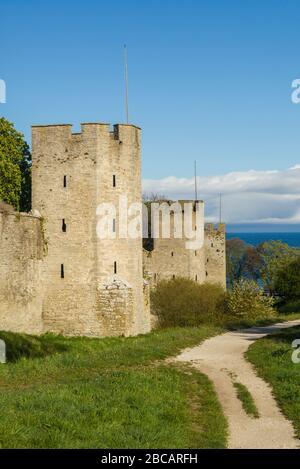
(107, 393)
(272, 357)
(23, 345)
(246, 399)
(288, 316)
(246, 323)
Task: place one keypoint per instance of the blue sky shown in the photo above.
(208, 80)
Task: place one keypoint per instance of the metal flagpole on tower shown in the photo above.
(126, 82)
(196, 190)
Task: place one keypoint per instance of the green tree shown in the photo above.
(15, 167)
(287, 283)
(251, 263)
(276, 256)
(235, 252)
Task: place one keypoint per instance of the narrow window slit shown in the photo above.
(62, 271)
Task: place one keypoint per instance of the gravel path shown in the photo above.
(221, 358)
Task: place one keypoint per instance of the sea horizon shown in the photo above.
(290, 238)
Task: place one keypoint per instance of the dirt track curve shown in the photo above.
(221, 358)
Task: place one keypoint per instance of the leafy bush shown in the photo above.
(246, 301)
(183, 302)
(287, 283)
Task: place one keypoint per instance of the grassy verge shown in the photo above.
(26, 346)
(280, 317)
(246, 399)
(107, 393)
(272, 357)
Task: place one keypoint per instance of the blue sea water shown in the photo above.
(293, 239)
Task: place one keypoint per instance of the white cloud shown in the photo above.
(250, 196)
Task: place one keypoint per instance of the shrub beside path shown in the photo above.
(221, 358)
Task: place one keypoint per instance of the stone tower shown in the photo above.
(215, 253)
(93, 286)
(170, 258)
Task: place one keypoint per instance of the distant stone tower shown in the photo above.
(215, 253)
(92, 286)
(170, 258)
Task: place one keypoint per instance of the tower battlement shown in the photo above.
(212, 228)
(60, 140)
(65, 130)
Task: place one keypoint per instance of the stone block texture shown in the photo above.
(22, 251)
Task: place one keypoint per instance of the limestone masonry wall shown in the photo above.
(215, 254)
(170, 258)
(72, 174)
(22, 250)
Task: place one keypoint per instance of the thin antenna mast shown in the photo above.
(126, 82)
(196, 189)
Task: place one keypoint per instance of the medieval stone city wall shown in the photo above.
(215, 254)
(22, 254)
(170, 258)
(56, 273)
(119, 175)
(64, 189)
(72, 175)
